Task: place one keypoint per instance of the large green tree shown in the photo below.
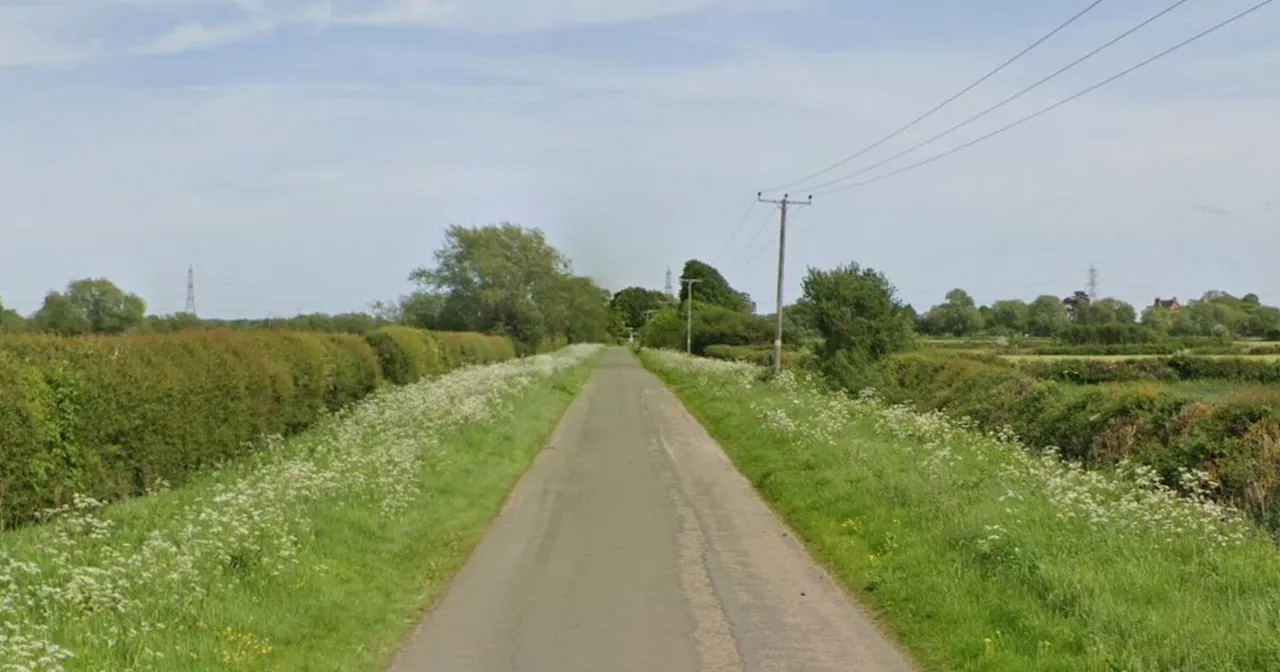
(712, 288)
(1047, 316)
(509, 280)
(637, 304)
(958, 316)
(92, 305)
(860, 318)
(1010, 316)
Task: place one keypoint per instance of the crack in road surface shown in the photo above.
(635, 545)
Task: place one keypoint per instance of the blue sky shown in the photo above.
(306, 155)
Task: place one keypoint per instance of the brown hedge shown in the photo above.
(109, 416)
(1236, 440)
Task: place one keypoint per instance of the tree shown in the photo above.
(1012, 316)
(635, 304)
(959, 316)
(1106, 311)
(421, 309)
(860, 318)
(712, 325)
(10, 321)
(712, 288)
(60, 315)
(1076, 305)
(92, 305)
(505, 279)
(1047, 316)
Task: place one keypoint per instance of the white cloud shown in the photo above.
(196, 35)
(36, 36)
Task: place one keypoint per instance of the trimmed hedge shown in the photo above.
(1182, 367)
(470, 349)
(407, 355)
(1237, 440)
(109, 416)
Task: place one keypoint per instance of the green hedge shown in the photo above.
(756, 354)
(1192, 346)
(1236, 440)
(1182, 367)
(469, 348)
(407, 355)
(109, 416)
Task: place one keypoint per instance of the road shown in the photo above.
(634, 544)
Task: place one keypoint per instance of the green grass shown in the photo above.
(1204, 390)
(1024, 358)
(365, 574)
(978, 556)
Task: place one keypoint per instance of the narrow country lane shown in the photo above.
(633, 544)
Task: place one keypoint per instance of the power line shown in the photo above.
(1050, 108)
(1006, 101)
(946, 102)
(753, 247)
(741, 223)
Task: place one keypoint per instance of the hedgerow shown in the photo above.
(108, 417)
(1236, 440)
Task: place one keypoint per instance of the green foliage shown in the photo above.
(510, 281)
(10, 321)
(91, 306)
(860, 319)
(635, 303)
(406, 355)
(1182, 367)
(711, 288)
(109, 416)
(959, 316)
(1233, 440)
(1217, 314)
(60, 315)
(471, 349)
(712, 325)
(1108, 334)
(1011, 317)
(1046, 316)
(759, 355)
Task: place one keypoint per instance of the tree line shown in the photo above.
(500, 279)
(1216, 314)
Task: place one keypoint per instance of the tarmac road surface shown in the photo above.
(634, 544)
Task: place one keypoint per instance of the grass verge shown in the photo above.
(980, 555)
(320, 555)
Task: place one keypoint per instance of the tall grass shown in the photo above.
(984, 555)
(316, 553)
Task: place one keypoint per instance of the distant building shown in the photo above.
(1171, 304)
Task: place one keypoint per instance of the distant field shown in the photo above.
(1204, 390)
(1016, 358)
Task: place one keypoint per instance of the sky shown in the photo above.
(307, 155)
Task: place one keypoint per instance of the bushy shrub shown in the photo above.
(1108, 334)
(1181, 367)
(108, 417)
(761, 355)
(1236, 441)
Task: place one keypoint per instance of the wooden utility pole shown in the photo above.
(688, 329)
(782, 204)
